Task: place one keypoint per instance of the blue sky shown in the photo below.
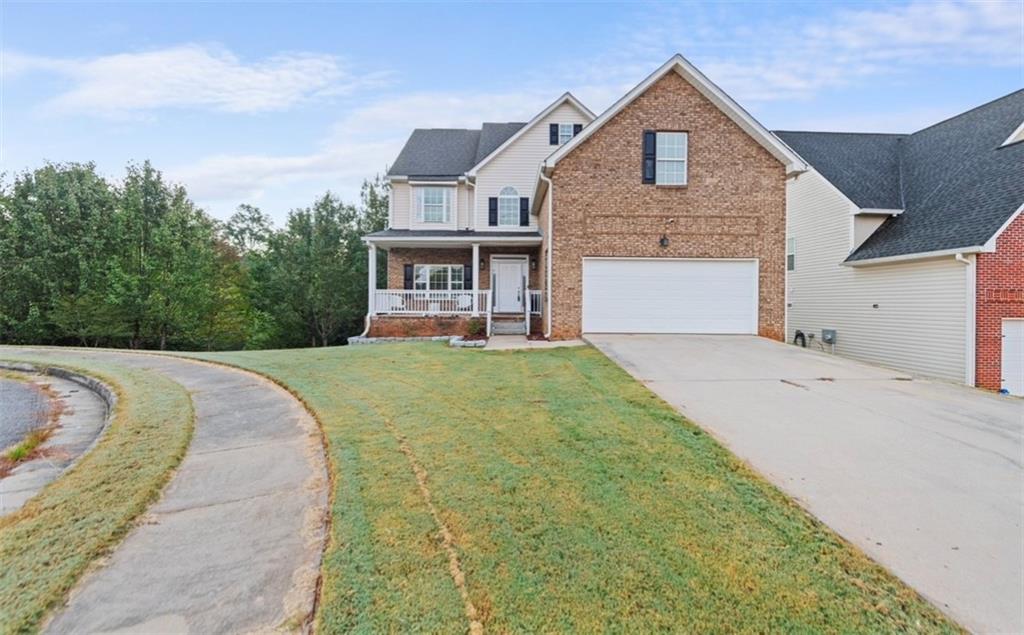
(272, 104)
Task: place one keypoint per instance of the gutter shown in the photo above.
(958, 253)
(547, 257)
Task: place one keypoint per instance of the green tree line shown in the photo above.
(136, 264)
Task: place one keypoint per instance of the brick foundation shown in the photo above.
(417, 326)
(734, 205)
(999, 294)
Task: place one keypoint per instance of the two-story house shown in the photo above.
(665, 214)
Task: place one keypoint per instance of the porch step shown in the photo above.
(508, 327)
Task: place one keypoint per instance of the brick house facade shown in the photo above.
(733, 206)
(999, 294)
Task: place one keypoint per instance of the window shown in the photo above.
(790, 254)
(508, 206)
(438, 277)
(671, 158)
(433, 204)
(564, 133)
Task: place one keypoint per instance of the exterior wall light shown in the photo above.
(483, 264)
(533, 264)
(663, 241)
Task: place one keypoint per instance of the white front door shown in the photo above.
(1013, 356)
(508, 286)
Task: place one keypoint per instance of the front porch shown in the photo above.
(456, 287)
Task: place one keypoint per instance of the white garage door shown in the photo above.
(1013, 356)
(669, 296)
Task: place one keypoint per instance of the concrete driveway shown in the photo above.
(924, 476)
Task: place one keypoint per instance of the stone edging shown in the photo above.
(456, 341)
(105, 392)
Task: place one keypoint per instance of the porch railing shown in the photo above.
(409, 302)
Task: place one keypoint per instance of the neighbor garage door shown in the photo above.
(1013, 356)
(669, 296)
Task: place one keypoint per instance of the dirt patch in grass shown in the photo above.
(574, 498)
(77, 519)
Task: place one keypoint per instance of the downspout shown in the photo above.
(971, 333)
(547, 257)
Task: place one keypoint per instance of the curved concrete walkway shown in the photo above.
(234, 543)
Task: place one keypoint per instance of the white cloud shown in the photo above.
(191, 76)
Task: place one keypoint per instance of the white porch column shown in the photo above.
(476, 279)
(372, 275)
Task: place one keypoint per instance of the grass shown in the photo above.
(573, 500)
(27, 445)
(50, 542)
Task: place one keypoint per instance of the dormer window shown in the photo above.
(433, 204)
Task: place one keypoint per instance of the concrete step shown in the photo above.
(508, 327)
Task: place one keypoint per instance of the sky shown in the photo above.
(272, 104)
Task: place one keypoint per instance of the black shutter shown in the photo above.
(576, 128)
(524, 211)
(492, 211)
(650, 154)
(467, 276)
(553, 134)
(408, 276)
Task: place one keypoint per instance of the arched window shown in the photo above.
(508, 206)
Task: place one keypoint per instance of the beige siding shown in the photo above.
(404, 217)
(400, 205)
(921, 319)
(518, 164)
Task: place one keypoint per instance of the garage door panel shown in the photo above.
(669, 296)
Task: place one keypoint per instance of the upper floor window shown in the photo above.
(433, 204)
(559, 133)
(670, 154)
(790, 254)
(508, 206)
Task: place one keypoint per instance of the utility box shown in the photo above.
(828, 336)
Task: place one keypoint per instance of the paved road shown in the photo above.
(924, 476)
(234, 543)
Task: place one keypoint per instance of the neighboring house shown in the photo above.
(912, 246)
(665, 214)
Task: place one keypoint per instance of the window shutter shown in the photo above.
(408, 276)
(492, 211)
(553, 134)
(650, 155)
(467, 276)
(576, 128)
(524, 211)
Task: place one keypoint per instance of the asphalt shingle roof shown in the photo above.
(449, 152)
(954, 181)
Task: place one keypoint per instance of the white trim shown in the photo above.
(757, 279)
(1016, 137)
(716, 95)
(567, 97)
(433, 183)
(468, 240)
(549, 235)
(970, 327)
(990, 244)
(924, 255)
(476, 278)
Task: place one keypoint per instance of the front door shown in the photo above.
(508, 286)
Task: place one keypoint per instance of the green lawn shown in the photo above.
(47, 544)
(575, 499)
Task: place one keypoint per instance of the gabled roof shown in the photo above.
(865, 167)
(566, 98)
(958, 185)
(713, 93)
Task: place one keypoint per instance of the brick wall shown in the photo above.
(1000, 294)
(734, 205)
(398, 258)
(420, 326)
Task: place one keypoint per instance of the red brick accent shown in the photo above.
(734, 205)
(416, 326)
(1000, 294)
(399, 257)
